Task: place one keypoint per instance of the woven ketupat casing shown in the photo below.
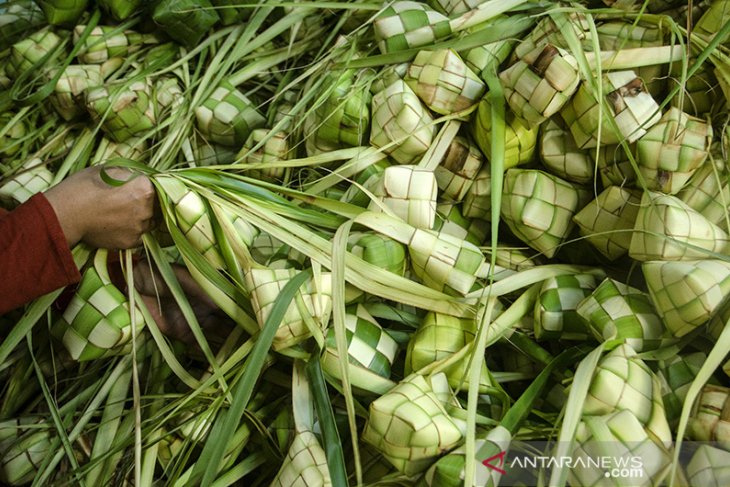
(607, 222)
(25, 443)
(124, 110)
(275, 149)
(561, 156)
(67, 98)
(623, 381)
(368, 345)
(538, 85)
(621, 437)
(708, 191)
(97, 322)
(399, 117)
(478, 200)
(344, 119)
(186, 21)
(617, 311)
(105, 42)
(440, 336)
(227, 117)
(632, 109)
(538, 207)
(614, 165)
(687, 293)
(444, 82)
(312, 303)
(444, 262)
(459, 168)
(32, 50)
(380, 251)
(676, 375)
(709, 467)
(410, 426)
(672, 150)
(555, 308)
(62, 12)
(405, 25)
(410, 192)
(709, 420)
(305, 464)
(520, 137)
(667, 229)
(36, 178)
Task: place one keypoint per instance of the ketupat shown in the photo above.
(318, 150)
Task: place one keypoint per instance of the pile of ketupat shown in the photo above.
(437, 230)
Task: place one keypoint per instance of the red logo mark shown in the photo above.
(497, 468)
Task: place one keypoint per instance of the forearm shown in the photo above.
(34, 254)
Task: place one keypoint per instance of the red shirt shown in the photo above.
(34, 255)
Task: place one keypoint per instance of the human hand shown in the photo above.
(164, 309)
(101, 215)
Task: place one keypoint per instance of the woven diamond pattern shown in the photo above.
(406, 25)
(380, 251)
(621, 437)
(228, 117)
(538, 207)
(186, 21)
(368, 345)
(617, 311)
(27, 52)
(344, 119)
(548, 32)
(708, 192)
(709, 467)
(305, 464)
(67, 98)
(400, 117)
(440, 336)
(676, 375)
(672, 150)
(123, 111)
(633, 110)
(666, 228)
(132, 148)
(458, 169)
(555, 309)
(561, 156)
(313, 303)
(687, 293)
(622, 381)
(410, 192)
(24, 445)
(520, 137)
(478, 200)
(614, 165)
(444, 82)
(275, 149)
(450, 220)
(444, 262)
(36, 179)
(62, 12)
(106, 42)
(408, 424)
(607, 222)
(710, 419)
(97, 321)
(538, 85)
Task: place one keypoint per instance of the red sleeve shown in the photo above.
(34, 255)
